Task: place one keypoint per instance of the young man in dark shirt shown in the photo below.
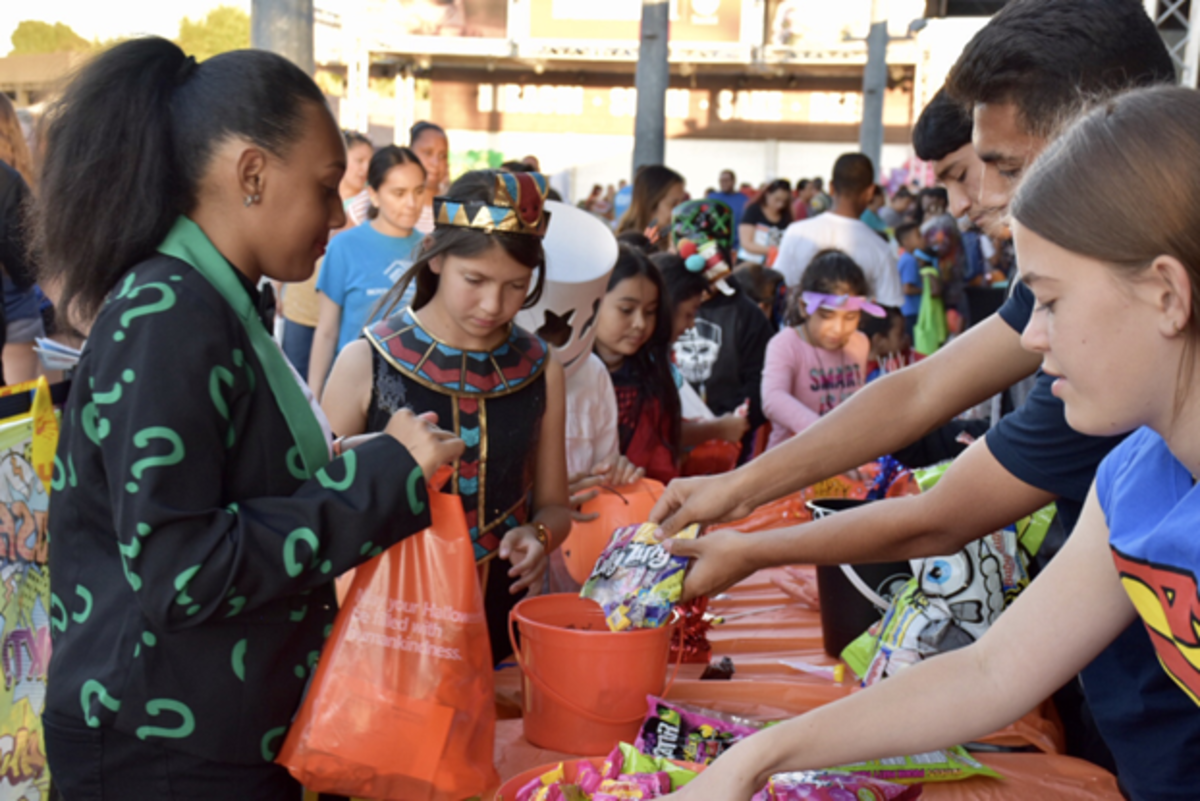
(1019, 75)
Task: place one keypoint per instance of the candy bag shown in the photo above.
(950, 765)
(830, 786)
(634, 762)
(689, 734)
(636, 581)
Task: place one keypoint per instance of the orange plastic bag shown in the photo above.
(402, 704)
(624, 506)
(711, 458)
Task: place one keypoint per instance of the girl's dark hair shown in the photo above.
(761, 284)
(651, 365)
(526, 249)
(382, 162)
(130, 140)
(682, 284)
(830, 272)
(775, 186)
(880, 326)
(418, 130)
(650, 185)
(636, 240)
(355, 138)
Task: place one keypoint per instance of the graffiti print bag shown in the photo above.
(402, 704)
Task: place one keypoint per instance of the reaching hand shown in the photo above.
(521, 547)
(732, 427)
(706, 499)
(429, 445)
(718, 562)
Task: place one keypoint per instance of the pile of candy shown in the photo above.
(830, 786)
(625, 775)
(690, 734)
(636, 581)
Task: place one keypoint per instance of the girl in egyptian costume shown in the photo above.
(456, 352)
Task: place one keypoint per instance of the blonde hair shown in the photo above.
(14, 150)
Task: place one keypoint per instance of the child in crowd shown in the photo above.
(686, 290)
(455, 351)
(633, 338)
(821, 358)
(889, 342)
(765, 287)
(910, 240)
(365, 262)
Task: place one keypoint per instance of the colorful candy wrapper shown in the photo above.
(950, 765)
(831, 786)
(636, 581)
(689, 734)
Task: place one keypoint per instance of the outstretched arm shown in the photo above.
(882, 417)
(1067, 616)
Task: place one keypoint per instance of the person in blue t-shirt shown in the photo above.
(363, 263)
(908, 236)
(736, 201)
(1117, 326)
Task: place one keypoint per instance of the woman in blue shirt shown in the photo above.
(364, 262)
(1116, 275)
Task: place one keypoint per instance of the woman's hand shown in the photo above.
(522, 548)
(718, 563)
(732, 427)
(429, 445)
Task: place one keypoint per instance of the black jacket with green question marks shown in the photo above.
(191, 559)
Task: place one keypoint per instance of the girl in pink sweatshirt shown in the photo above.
(820, 359)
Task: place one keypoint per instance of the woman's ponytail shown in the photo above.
(111, 186)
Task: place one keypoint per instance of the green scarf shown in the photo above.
(188, 243)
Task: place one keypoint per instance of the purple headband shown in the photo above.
(815, 300)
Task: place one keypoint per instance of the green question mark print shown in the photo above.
(58, 479)
(268, 753)
(239, 360)
(238, 658)
(71, 478)
(221, 375)
(351, 461)
(128, 285)
(86, 595)
(236, 602)
(181, 584)
(91, 688)
(158, 706)
(415, 504)
(305, 535)
(57, 608)
(297, 615)
(294, 464)
(142, 439)
(165, 302)
(128, 552)
(95, 427)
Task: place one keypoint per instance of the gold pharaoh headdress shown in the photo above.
(518, 208)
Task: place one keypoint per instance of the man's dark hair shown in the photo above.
(943, 127)
(853, 173)
(1043, 55)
